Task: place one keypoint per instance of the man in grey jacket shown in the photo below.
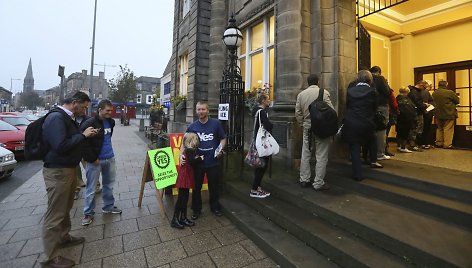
(302, 114)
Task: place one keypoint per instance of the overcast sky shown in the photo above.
(59, 32)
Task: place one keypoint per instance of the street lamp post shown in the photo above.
(232, 90)
(93, 55)
(11, 83)
(60, 73)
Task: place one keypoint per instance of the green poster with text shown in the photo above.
(163, 167)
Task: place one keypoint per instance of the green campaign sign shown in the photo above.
(163, 167)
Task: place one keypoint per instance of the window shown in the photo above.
(167, 88)
(138, 98)
(256, 54)
(139, 86)
(149, 99)
(185, 7)
(183, 75)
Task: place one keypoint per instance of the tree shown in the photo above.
(30, 99)
(123, 87)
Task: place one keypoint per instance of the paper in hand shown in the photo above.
(430, 108)
(218, 150)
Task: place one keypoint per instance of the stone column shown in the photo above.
(217, 56)
(293, 57)
(293, 52)
(334, 47)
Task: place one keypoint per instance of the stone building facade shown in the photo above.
(285, 41)
(81, 81)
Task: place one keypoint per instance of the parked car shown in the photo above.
(16, 120)
(30, 117)
(7, 162)
(12, 137)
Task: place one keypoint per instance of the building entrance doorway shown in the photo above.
(459, 78)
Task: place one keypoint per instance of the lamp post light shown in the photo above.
(232, 90)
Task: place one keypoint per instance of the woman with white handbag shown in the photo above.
(261, 120)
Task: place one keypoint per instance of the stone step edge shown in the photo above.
(419, 203)
(263, 236)
(342, 252)
(406, 181)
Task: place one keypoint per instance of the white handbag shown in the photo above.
(265, 144)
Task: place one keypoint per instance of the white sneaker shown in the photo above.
(257, 194)
(404, 150)
(383, 157)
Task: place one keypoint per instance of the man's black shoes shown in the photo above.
(195, 215)
(217, 212)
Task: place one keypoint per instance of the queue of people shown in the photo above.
(371, 109)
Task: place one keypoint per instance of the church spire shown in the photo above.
(28, 82)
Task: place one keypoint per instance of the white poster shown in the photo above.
(223, 110)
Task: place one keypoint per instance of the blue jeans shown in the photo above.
(108, 169)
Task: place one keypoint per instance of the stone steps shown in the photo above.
(375, 223)
(339, 246)
(409, 195)
(282, 247)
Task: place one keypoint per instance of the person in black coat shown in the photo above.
(406, 120)
(359, 126)
(264, 102)
(416, 96)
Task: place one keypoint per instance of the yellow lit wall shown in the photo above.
(400, 54)
(444, 45)
(380, 53)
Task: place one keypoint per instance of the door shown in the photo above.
(459, 78)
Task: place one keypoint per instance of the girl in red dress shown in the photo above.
(186, 180)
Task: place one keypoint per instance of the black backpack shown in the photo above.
(324, 119)
(35, 149)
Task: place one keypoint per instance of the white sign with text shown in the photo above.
(223, 111)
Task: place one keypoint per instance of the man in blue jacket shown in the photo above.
(100, 159)
(62, 137)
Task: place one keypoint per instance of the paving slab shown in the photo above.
(164, 253)
(121, 227)
(102, 248)
(199, 243)
(11, 250)
(231, 256)
(197, 261)
(133, 259)
(139, 237)
(25, 262)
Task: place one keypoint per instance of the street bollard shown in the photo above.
(141, 125)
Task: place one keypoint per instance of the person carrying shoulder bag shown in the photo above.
(260, 117)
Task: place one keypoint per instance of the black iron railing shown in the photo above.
(369, 7)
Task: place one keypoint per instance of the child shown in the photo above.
(405, 121)
(186, 180)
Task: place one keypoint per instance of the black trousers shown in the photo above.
(182, 200)
(213, 174)
(424, 139)
(355, 149)
(259, 173)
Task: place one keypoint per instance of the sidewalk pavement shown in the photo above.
(139, 237)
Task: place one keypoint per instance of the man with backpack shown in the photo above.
(61, 137)
(304, 118)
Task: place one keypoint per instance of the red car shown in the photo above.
(16, 120)
(12, 137)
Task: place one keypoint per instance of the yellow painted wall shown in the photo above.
(398, 59)
(444, 45)
(380, 53)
